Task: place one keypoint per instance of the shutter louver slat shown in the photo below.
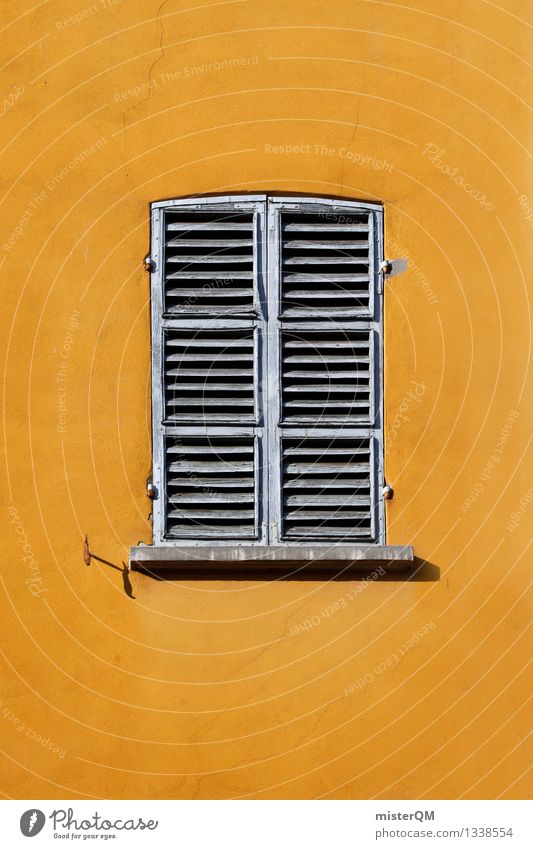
(207, 372)
(226, 449)
(308, 224)
(324, 468)
(210, 514)
(225, 343)
(324, 387)
(209, 243)
(304, 295)
(325, 277)
(318, 483)
(207, 499)
(219, 309)
(226, 467)
(207, 275)
(197, 259)
(330, 245)
(213, 221)
(321, 260)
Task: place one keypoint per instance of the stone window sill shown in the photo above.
(256, 557)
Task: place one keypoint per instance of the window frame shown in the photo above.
(267, 208)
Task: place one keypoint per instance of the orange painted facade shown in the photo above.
(127, 687)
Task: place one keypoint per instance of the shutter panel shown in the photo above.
(208, 320)
(329, 332)
(211, 487)
(209, 374)
(325, 265)
(326, 488)
(326, 375)
(209, 262)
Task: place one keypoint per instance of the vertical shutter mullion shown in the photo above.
(272, 396)
(261, 294)
(156, 306)
(378, 381)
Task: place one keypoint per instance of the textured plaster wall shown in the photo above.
(132, 687)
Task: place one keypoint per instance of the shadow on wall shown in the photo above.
(128, 589)
(420, 570)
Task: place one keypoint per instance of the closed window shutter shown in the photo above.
(208, 361)
(267, 409)
(328, 436)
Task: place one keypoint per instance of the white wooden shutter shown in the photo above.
(326, 434)
(207, 333)
(267, 402)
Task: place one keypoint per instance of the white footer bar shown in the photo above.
(267, 824)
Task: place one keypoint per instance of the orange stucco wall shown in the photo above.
(396, 688)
